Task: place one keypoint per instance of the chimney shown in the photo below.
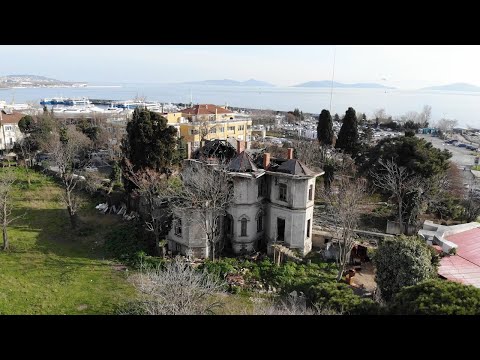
(290, 153)
(266, 160)
(189, 150)
(240, 147)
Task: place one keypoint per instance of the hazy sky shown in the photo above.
(401, 66)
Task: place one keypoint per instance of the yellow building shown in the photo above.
(208, 122)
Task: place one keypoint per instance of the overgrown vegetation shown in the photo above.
(51, 270)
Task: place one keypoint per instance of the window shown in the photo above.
(282, 192)
(178, 227)
(249, 127)
(213, 130)
(308, 227)
(8, 127)
(229, 225)
(243, 227)
(231, 128)
(241, 127)
(221, 129)
(11, 141)
(260, 188)
(260, 222)
(310, 192)
(280, 229)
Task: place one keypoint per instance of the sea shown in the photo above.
(462, 106)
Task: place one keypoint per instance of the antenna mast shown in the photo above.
(333, 75)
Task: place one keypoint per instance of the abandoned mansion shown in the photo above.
(273, 202)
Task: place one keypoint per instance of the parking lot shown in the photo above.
(464, 158)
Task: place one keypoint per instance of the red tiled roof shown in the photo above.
(205, 109)
(13, 118)
(465, 266)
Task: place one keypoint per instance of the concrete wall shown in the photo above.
(295, 226)
(248, 243)
(246, 190)
(297, 191)
(192, 237)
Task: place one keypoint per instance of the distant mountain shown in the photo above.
(328, 83)
(454, 87)
(34, 81)
(228, 82)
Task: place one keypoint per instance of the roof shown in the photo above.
(12, 118)
(295, 167)
(205, 109)
(463, 267)
(242, 163)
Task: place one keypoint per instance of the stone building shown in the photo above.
(273, 203)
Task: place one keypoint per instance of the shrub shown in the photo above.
(401, 262)
(437, 297)
(340, 297)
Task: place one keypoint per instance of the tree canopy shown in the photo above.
(437, 297)
(417, 155)
(402, 262)
(150, 142)
(325, 128)
(348, 135)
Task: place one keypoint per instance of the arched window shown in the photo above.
(259, 218)
(243, 227)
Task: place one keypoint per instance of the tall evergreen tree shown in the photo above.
(348, 135)
(325, 128)
(150, 142)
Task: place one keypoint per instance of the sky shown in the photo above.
(400, 66)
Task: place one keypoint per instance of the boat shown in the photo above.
(78, 101)
(54, 101)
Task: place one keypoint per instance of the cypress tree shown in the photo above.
(325, 128)
(348, 135)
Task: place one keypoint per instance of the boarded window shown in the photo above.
(310, 192)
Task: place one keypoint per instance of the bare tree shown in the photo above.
(207, 191)
(67, 149)
(7, 179)
(293, 304)
(155, 191)
(380, 114)
(426, 115)
(471, 205)
(27, 147)
(399, 182)
(178, 289)
(343, 210)
(446, 125)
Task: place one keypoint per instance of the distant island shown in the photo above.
(454, 87)
(228, 82)
(21, 81)
(328, 83)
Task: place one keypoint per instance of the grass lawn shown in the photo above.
(51, 269)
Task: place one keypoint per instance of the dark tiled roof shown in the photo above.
(205, 109)
(295, 167)
(242, 163)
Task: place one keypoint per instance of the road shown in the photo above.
(462, 157)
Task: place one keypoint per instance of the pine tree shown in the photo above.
(325, 128)
(348, 135)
